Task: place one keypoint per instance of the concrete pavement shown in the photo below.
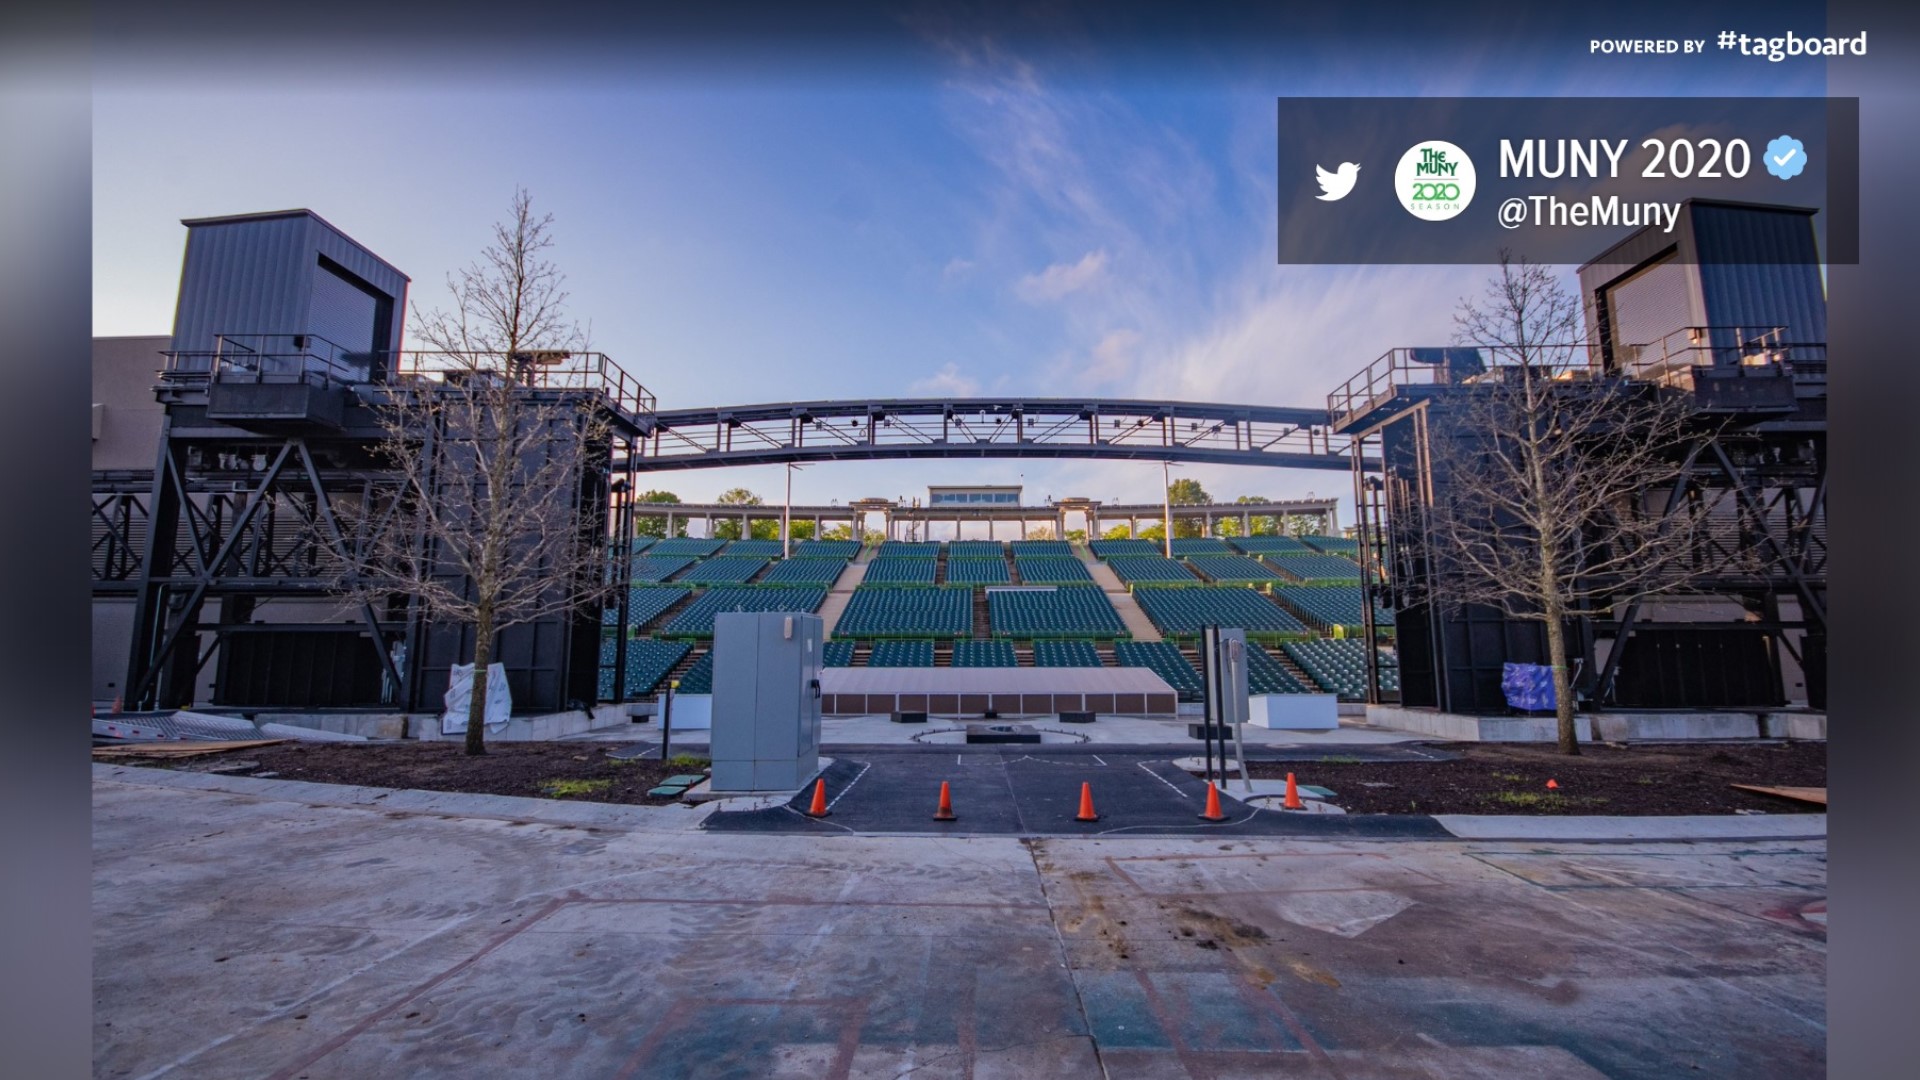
(251, 933)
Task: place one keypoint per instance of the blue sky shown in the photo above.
(943, 210)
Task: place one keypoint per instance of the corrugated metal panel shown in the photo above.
(1759, 269)
(254, 275)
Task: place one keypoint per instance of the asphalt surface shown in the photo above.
(1035, 791)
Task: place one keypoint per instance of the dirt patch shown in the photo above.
(575, 772)
(1604, 779)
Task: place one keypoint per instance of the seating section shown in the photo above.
(1165, 660)
(902, 549)
(1233, 569)
(1340, 665)
(907, 613)
(976, 549)
(1315, 568)
(1332, 544)
(1023, 548)
(976, 654)
(724, 570)
(1329, 605)
(1139, 569)
(1265, 675)
(1107, 549)
(697, 619)
(687, 545)
(1267, 545)
(642, 543)
(699, 677)
(1066, 654)
(1052, 570)
(1199, 545)
(648, 661)
(826, 549)
(659, 567)
(1053, 613)
(1182, 612)
(836, 654)
(901, 654)
(805, 572)
(643, 606)
(900, 571)
(976, 571)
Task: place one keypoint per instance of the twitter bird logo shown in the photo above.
(1335, 185)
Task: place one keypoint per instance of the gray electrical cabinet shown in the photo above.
(1223, 663)
(766, 700)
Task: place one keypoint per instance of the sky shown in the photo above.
(920, 206)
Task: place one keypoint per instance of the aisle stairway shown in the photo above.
(1131, 616)
(840, 596)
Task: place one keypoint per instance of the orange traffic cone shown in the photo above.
(1293, 796)
(1086, 804)
(945, 813)
(1213, 804)
(819, 807)
(1553, 785)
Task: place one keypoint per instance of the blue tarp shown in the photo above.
(1528, 686)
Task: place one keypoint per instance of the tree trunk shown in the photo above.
(1562, 689)
(477, 701)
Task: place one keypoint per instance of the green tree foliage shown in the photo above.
(655, 525)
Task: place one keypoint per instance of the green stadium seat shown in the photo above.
(977, 572)
(836, 654)
(901, 654)
(987, 654)
(1182, 612)
(1199, 545)
(1316, 568)
(1268, 545)
(1139, 569)
(905, 549)
(1232, 569)
(798, 571)
(698, 548)
(826, 549)
(653, 568)
(1332, 544)
(644, 606)
(1164, 659)
(648, 662)
(1265, 675)
(699, 677)
(1066, 654)
(907, 613)
(1023, 548)
(1328, 606)
(1107, 549)
(697, 619)
(899, 570)
(1340, 665)
(1052, 570)
(1053, 613)
(766, 549)
(724, 570)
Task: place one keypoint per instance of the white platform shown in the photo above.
(1294, 712)
(692, 712)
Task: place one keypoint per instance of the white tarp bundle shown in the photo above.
(460, 697)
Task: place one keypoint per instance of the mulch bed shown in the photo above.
(521, 768)
(1492, 778)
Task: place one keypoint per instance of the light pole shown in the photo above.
(786, 515)
(1166, 493)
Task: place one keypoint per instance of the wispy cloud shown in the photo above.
(956, 269)
(1060, 279)
(947, 382)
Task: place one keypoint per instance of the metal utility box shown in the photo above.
(766, 700)
(1223, 662)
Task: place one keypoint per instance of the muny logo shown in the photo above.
(1336, 185)
(1434, 180)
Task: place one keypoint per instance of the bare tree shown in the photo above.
(1558, 491)
(485, 520)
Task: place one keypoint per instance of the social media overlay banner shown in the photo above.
(1556, 180)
